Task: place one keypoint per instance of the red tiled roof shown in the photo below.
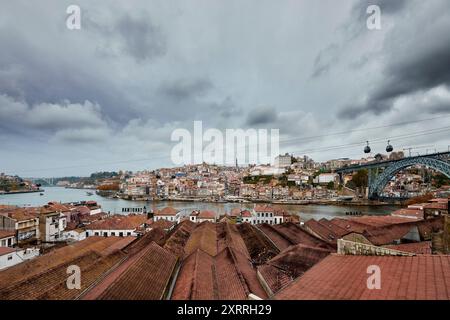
(255, 244)
(235, 212)
(179, 236)
(440, 200)
(322, 231)
(56, 257)
(297, 235)
(145, 279)
(21, 214)
(342, 277)
(263, 208)
(56, 206)
(93, 217)
(196, 278)
(336, 229)
(119, 222)
(409, 213)
(423, 247)
(163, 224)
(6, 250)
(207, 214)
(6, 233)
(290, 264)
(436, 205)
(387, 234)
(167, 211)
(246, 214)
(229, 283)
(82, 210)
(246, 272)
(203, 237)
(379, 221)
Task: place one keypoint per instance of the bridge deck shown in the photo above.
(381, 164)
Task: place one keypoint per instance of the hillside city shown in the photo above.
(289, 180)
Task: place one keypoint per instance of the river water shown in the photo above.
(59, 194)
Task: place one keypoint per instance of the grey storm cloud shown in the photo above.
(185, 89)
(136, 71)
(417, 59)
(261, 116)
(142, 39)
(32, 75)
(134, 35)
(353, 29)
(387, 6)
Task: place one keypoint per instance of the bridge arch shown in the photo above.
(382, 180)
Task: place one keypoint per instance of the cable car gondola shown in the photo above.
(389, 147)
(367, 148)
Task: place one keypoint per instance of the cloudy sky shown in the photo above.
(108, 96)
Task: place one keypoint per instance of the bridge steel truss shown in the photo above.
(377, 181)
(377, 185)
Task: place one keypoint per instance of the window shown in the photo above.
(120, 234)
(96, 233)
(105, 234)
(128, 233)
(113, 234)
(9, 257)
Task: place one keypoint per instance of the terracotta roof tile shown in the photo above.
(323, 231)
(297, 235)
(290, 264)
(163, 224)
(146, 279)
(54, 258)
(204, 237)
(6, 250)
(7, 233)
(263, 208)
(179, 236)
(280, 241)
(423, 247)
(246, 214)
(345, 277)
(229, 283)
(167, 211)
(51, 283)
(408, 213)
(195, 280)
(257, 245)
(119, 222)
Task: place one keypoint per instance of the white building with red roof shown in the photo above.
(7, 238)
(168, 213)
(10, 256)
(118, 226)
(203, 215)
(263, 213)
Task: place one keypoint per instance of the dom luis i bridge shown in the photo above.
(381, 172)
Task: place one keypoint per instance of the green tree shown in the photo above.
(360, 179)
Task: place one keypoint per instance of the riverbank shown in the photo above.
(358, 203)
(20, 191)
